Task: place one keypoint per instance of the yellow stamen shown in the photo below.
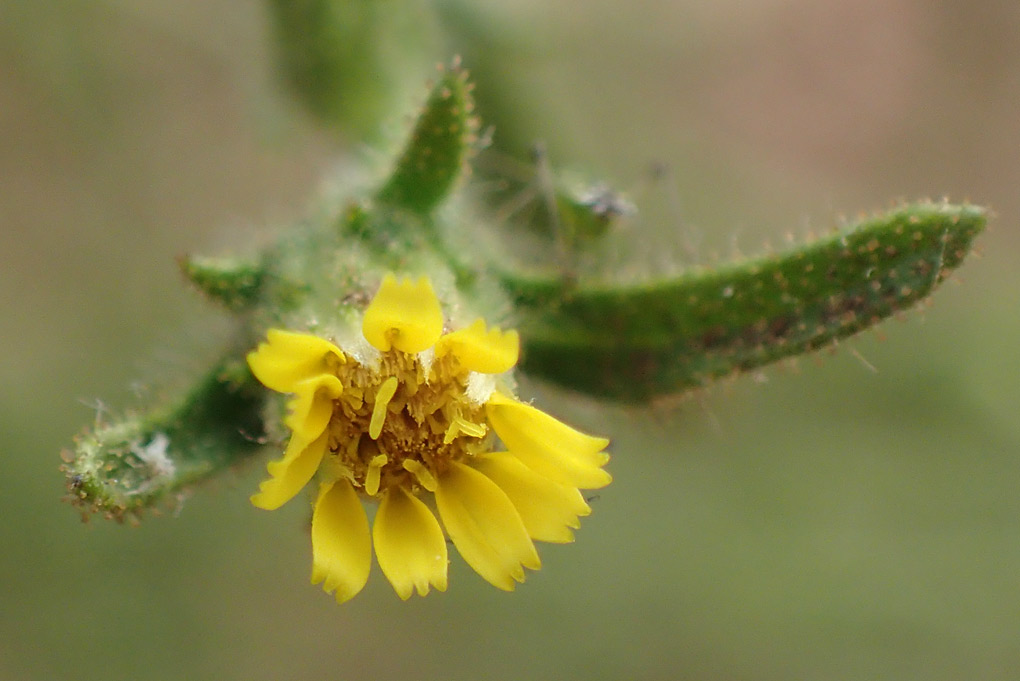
(382, 400)
(459, 425)
(374, 475)
(451, 432)
(472, 429)
(422, 474)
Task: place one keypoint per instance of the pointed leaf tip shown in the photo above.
(439, 146)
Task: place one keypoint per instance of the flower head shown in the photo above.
(413, 424)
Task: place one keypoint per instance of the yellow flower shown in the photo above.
(413, 425)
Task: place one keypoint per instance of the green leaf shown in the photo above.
(436, 154)
(137, 462)
(632, 342)
(235, 283)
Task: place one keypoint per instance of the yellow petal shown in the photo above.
(487, 352)
(547, 446)
(549, 510)
(403, 315)
(341, 544)
(287, 358)
(311, 408)
(484, 526)
(291, 473)
(409, 544)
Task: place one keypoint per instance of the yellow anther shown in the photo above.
(459, 425)
(422, 474)
(472, 429)
(374, 475)
(382, 400)
(451, 433)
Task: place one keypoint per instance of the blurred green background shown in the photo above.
(822, 521)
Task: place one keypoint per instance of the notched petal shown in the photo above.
(287, 358)
(484, 526)
(548, 446)
(549, 510)
(289, 474)
(409, 544)
(341, 543)
(404, 315)
(489, 351)
(312, 406)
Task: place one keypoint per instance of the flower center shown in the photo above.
(402, 422)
